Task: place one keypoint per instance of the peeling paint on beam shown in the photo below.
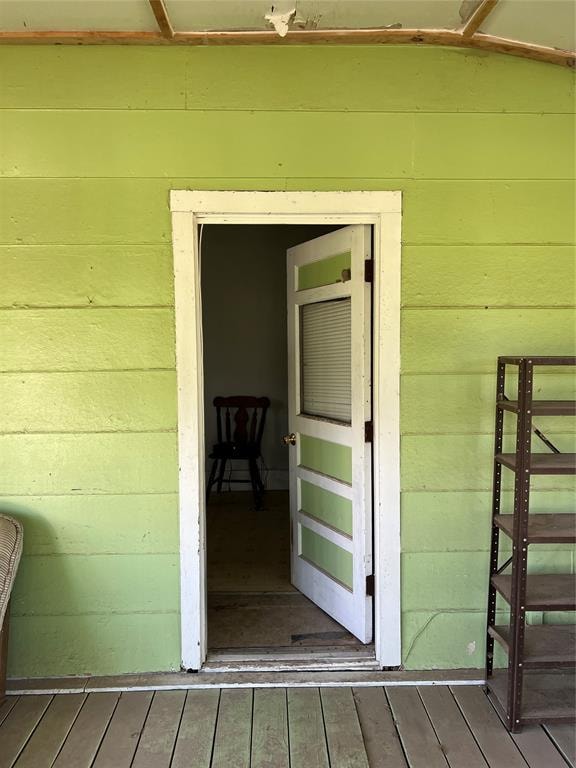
(281, 19)
(450, 38)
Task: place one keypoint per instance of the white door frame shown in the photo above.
(383, 211)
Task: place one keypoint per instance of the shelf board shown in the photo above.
(545, 645)
(543, 463)
(544, 592)
(542, 407)
(553, 528)
(547, 696)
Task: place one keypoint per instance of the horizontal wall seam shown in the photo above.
(407, 306)
(131, 494)
(80, 432)
(72, 371)
(173, 430)
(138, 553)
(41, 307)
(491, 373)
(15, 614)
(278, 179)
(406, 243)
(284, 111)
(73, 494)
(170, 307)
(475, 307)
(168, 246)
(509, 431)
(12, 371)
(483, 489)
(453, 308)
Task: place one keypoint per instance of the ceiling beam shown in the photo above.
(478, 17)
(441, 37)
(162, 18)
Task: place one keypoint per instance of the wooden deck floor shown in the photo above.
(394, 727)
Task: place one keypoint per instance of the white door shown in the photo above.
(329, 346)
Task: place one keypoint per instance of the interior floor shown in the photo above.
(251, 603)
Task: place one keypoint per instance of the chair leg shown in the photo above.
(257, 484)
(211, 479)
(221, 474)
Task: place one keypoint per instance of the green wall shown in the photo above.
(92, 140)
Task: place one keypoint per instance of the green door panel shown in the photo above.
(328, 458)
(326, 506)
(329, 557)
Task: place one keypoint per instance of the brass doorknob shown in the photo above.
(289, 439)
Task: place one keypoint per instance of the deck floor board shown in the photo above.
(458, 744)
(51, 733)
(270, 729)
(343, 732)
(381, 739)
(495, 742)
(82, 744)
(233, 729)
(19, 726)
(158, 738)
(421, 745)
(195, 738)
(6, 707)
(307, 736)
(124, 731)
(333, 726)
(564, 737)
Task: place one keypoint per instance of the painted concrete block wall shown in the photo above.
(93, 139)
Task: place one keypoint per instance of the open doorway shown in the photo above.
(345, 469)
(254, 605)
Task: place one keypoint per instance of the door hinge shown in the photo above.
(369, 270)
(368, 432)
(370, 585)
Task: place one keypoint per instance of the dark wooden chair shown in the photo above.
(240, 425)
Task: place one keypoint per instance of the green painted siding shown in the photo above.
(91, 141)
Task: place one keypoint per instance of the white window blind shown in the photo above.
(326, 359)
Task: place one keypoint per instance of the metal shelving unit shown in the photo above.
(535, 687)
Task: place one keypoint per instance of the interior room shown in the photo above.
(252, 605)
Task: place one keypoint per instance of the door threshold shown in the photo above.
(282, 659)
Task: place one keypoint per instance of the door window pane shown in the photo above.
(326, 360)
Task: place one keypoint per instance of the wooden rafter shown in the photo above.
(443, 37)
(478, 17)
(162, 18)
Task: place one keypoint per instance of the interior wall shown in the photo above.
(93, 139)
(244, 328)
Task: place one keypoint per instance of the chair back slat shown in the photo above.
(253, 425)
(248, 414)
(228, 434)
(240, 422)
